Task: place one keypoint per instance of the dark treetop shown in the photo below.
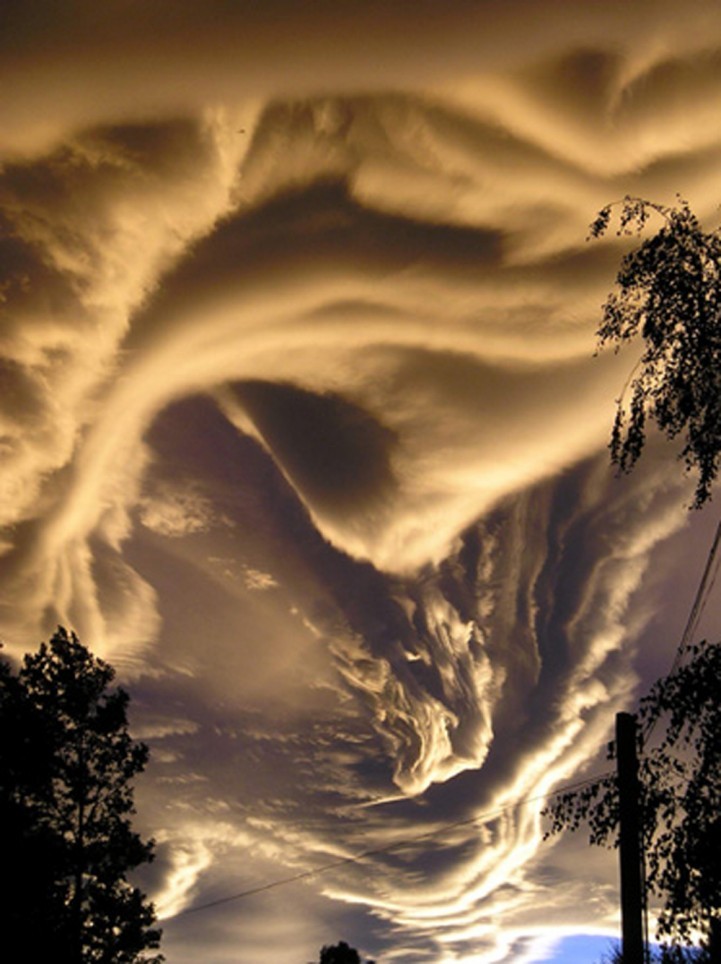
(66, 765)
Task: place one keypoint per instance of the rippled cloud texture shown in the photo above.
(302, 429)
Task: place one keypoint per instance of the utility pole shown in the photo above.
(630, 839)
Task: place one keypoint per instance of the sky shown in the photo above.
(303, 428)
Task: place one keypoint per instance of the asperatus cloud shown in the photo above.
(303, 427)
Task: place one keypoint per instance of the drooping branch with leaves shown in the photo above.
(668, 292)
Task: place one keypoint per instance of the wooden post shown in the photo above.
(630, 839)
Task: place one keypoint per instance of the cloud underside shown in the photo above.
(302, 429)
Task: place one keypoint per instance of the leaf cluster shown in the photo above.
(682, 782)
(668, 291)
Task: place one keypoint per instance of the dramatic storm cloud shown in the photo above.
(302, 429)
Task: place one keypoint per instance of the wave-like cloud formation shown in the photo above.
(302, 428)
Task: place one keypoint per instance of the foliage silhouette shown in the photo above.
(664, 955)
(669, 292)
(680, 807)
(340, 953)
(66, 762)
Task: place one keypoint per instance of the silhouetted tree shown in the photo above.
(66, 765)
(340, 953)
(669, 292)
(680, 807)
(664, 955)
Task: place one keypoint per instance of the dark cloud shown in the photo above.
(333, 452)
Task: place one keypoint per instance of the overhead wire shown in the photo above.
(703, 591)
(388, 848)
(705, 586)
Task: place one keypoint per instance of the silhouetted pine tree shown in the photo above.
(66, 765)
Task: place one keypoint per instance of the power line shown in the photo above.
(389, 848)
(705, 586)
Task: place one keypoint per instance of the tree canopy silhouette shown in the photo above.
(680, 778)
(668, 290)
(340, 953)
(662, 955)
(66, 765)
